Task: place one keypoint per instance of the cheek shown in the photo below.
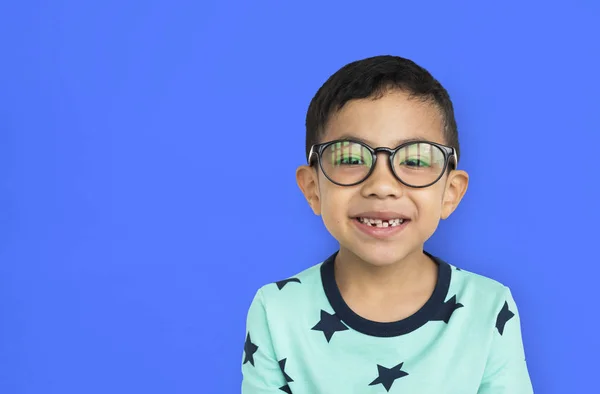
(429, 207)
(334, 205)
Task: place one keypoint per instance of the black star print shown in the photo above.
(249, 349)
(447, 309)
(458, 269)
(329, 324)
(285, 388)
(284, 282)
(387, 376)
(504, 316)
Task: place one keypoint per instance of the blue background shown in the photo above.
(132, 240)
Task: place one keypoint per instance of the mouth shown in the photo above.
(381, 222)
(380, 225)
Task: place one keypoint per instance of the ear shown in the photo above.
(306, 177)
(456, 187)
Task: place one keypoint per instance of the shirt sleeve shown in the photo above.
(506, 369)
(261, 371)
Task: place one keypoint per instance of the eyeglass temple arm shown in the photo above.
(454, 157)
(310, 153)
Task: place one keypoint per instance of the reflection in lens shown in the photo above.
(419, 164)
(346, 162)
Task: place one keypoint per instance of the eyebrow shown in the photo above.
(350, 137)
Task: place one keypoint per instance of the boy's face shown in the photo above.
(383, 122)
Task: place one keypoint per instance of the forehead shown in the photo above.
(387, 121)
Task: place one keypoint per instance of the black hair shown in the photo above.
(372, 77)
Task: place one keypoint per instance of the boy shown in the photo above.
(381, 315)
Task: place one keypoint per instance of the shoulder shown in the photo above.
(290, 295)
(488, 293)
(309, 277)
(479, 282)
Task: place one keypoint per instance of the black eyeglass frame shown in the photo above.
(448, 151)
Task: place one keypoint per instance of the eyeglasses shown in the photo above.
(416, 164)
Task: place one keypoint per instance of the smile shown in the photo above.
(380, 222)
(380, 228)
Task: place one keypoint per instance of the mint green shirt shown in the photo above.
(302, 338)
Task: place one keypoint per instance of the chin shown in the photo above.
(380, 256)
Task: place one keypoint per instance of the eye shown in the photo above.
(350, 160)
(414, 162)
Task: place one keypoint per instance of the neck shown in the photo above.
(354, 275)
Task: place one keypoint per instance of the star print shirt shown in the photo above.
(302, 338)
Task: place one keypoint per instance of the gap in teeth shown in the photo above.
(381, 223)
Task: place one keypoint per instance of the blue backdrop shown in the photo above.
(132, 239)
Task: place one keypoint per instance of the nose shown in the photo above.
(382, 183)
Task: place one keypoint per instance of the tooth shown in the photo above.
(381, 223)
